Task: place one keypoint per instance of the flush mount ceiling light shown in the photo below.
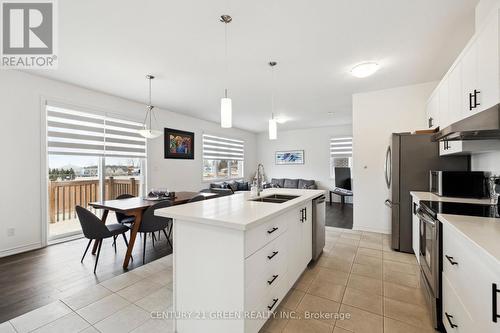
(226, 105)
(365, 69)
(273, 126)
(148, 132)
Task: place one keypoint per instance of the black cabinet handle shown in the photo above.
(272, 280)
(305, 214)
(272, 255)
(270, 307)
(302, 215)
(430, 122)
(449, 317)
(450, 259)
(494, 291)
(470, 102)
(272, 230)
(476, 104)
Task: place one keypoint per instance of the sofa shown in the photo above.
(292, 183)
(229, 186)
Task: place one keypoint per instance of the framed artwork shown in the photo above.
(289, 157)
(179, 144)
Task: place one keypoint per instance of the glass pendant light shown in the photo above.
(148, 132)
(226, 105)
(273, 126)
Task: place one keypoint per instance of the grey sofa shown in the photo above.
(293, 183)
(228, 186)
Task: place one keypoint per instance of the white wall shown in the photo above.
(486, 162)
(316, 145)
(376, 115)
(20, 133)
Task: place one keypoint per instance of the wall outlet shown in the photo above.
(11, 232)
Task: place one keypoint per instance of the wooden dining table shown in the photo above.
(136, 207)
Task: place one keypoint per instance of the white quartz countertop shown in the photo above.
(482, 231)
(237, 211)
(428, 196)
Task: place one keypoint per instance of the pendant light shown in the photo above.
(273, 126)
(148, 132)
(226, 105)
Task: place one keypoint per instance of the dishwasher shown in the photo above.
(318, 226)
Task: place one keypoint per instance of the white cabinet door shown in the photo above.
(469, 80)
(307, 235)
(451, 147)
(443, 109)
(488, 64)
(455, 94)
(432, 110)
(295, 247)
(415, 229)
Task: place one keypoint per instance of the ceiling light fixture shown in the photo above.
(226, 105)
(365, 69)
(273, 126)
(148, 132)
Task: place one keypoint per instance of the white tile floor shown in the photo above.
(358, 274)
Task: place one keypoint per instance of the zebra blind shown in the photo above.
(219, 148)
(341, 147)
(73, 132)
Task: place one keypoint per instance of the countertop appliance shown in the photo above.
(457, 208)
(318, 226)
(460, 184)
(430, 253)
(409, 159)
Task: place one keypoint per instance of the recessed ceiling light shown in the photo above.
(365, 69)
(330, 113)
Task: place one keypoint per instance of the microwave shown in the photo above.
(460, 184)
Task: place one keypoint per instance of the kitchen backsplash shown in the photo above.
(486, 162)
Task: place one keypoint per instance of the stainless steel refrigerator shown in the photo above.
(409, 159)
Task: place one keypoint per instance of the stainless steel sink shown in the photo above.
(276, 198)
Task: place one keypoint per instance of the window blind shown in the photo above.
(341, 147)
(219, 148)
(73, 132)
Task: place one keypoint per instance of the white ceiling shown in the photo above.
(111, 45)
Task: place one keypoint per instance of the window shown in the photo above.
(90, 156)
(340, 154)
(223, 158)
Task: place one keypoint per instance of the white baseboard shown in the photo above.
(20, 249)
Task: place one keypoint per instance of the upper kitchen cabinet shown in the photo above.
(454, 94)
(473, 82)
(433, 110)
(469, 81)
(488, 69)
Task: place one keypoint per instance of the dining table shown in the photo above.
(136, 206)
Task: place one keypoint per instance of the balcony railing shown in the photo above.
(65, 195)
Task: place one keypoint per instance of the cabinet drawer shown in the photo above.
(266, 305)
(259, 236)
(271, 259)
(454, 312)
(470, 275)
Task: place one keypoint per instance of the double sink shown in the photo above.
(275, 198)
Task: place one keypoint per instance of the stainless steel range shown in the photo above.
(430, 251)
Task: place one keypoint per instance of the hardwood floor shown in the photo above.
(36, 278)
(339, 216)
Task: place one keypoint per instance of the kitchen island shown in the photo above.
(236, 257)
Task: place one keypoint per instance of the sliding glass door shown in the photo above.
(91, 157)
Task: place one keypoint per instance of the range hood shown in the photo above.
(484, 125)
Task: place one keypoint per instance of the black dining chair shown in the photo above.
(151, 223)
(94, 229)
(199, 197)
(120, 217)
